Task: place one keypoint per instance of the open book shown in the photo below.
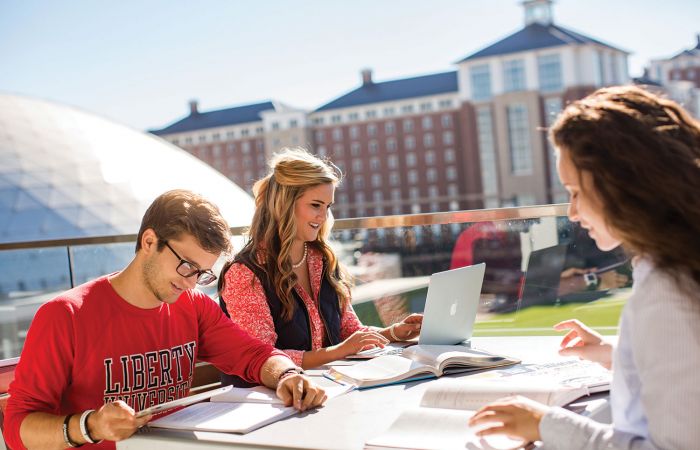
(417, 362)
(437, 429)
(447, 404)
(236, 410)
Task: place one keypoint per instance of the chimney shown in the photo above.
(366, 77)
(194, 108)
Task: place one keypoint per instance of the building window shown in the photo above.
(409, 142)
(371, 130)
(391, 145)
(433, 191)
(428, 140)
(231, 147)
(371, 114)
(407, 109)
(338, 150)
(175, 141)
(415, 208)
(354, 132)
(430, 157)
(448, 138)
(188, 140)
(396, 194)
(389, 128)
(353, 116)
(392, 161)
(408, 126)
(480, 82)
(259, 145)
(446, 121)
(275, 125)
(445, 104)
(320, 137)
(519, 139)
(373, 147)
(376, 180)
(427, 106)
(202, 138)
(259, 130)
(230, 135)
(487, 151)
(216, 137)
(427, 123)
(411, 159)
(451, 173)
(216, 151)
(549, 72)
(335, 118)
(431, 175)
(374, 163)
(388, 112)
(412, 176)
(245, 132)
(318, 121)
(321, 150)
(355, 149)
(337, 134)
(245, 147)
(514, 75)
(449, 155)
(357, 165)
(452, 190)
(358, 181)
(413, 193)
(394, 178)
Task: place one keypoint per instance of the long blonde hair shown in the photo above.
(273, 229)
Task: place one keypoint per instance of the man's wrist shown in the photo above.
(288, 372)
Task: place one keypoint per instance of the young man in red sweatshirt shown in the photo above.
(99, 353)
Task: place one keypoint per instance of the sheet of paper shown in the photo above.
(183, 401)
(224, 417)
(383, 367)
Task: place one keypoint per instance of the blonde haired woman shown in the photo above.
(286, 286)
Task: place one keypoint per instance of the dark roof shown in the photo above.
(438, 83)
(219, 118)
(535, 36)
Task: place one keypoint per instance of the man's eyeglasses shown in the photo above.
(188, 269)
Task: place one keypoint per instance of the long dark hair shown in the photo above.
(643, 153)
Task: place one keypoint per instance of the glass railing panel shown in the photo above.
(535, 272)
(29, 277)
(93, 261)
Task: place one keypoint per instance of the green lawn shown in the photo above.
(602, 315)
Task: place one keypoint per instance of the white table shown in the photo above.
(346, 422)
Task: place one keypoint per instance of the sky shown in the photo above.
(139, 62)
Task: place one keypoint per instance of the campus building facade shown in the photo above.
(462, 139)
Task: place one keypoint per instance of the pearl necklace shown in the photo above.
(303, 258)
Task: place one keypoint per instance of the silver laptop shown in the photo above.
(450, 308)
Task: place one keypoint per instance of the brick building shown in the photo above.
(462, 139)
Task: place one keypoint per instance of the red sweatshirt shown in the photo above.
(89, 346)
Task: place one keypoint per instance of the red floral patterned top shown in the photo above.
(247, 304)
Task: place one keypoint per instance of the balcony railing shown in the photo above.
(391, 258)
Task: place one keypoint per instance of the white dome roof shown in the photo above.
(65, 173)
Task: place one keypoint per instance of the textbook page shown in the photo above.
(384, 369)
(473, 394)
(437, 429)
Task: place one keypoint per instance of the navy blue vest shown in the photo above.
(295, 334)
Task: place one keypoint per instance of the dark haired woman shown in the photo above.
(631, 163)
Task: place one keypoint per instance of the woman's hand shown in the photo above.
(584, 342)
(360, 340)
(517, 417)
(408, 328)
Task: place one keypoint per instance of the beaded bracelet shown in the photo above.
(66, 437)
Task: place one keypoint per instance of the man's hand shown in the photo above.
(299, 391)
(114, 422)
